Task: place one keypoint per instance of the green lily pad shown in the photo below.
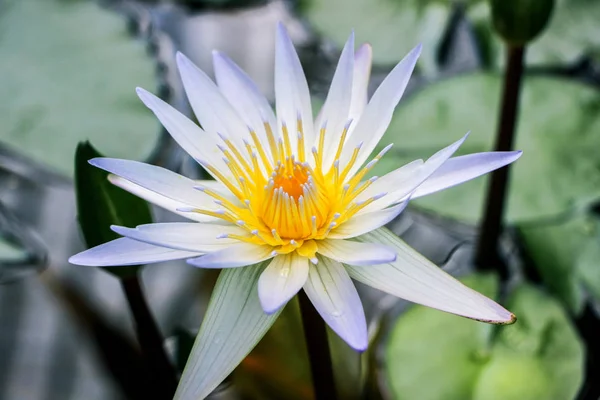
(557, 131)
(423, 358)
(573, 31)
(567, 256)
(69, 69)
(431, 355)
(393, 27)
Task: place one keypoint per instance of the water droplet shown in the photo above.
(284, 272)
(336, 313)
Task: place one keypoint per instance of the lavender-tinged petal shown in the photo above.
(159, 180)
(126, 251)
(356, 253)
(365, 223)
(360, 81)
(195, 141)
(281, 280)
(236, 255)
(414, 278)
(233, 324)
(202, 238)
(460, 169)
(333, 294)
(292, 98)
(377, 115)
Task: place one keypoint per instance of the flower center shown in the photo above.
(294, 205)
(298, 202)
(291, 182)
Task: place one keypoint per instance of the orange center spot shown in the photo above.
(291, 181)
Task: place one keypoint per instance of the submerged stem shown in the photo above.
(150, 339)
(487, 256)
(315, 333)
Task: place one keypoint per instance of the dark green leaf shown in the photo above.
(100, 204)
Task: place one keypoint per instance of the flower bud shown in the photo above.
(520, 21)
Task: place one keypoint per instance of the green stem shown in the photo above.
(150, 340)
(487, 256)
(315, 333)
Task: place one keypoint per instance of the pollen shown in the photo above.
(282, 199)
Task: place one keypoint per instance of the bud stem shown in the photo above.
(150, 339)
(487, 255)
(319, 355)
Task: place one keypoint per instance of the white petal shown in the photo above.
(377, 115)
(414, 278)
(212, 109)
(333, 294)
(189, 236)
(460, 169)
(291, 90)
(233, 324)
(356, 253)
(360, 81)
(125, 251)
(406, 185)
(281, 280)
(157, 179)
(245, 97)
(237, 255)
(392, 180)
(336, 109)
(365, 223)
(159, 199)
(197, 143)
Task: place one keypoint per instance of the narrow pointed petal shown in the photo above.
(234, 323)
(212, 109)
(414, 278)
(377, 115)
(356, 253)
(360, 81)
(159, 199)
(187, 236)
(245, 97)
(291, 90)
(393, 179)
(405, 185)
(159, 180)
(126, 251)
(216, 187)
(337, 105)
(237, 255)
(281, 280)
(333, 294)
(365, 223)
(187, 134)
(460, 169)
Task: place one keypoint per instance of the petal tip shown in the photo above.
(360, 344)
(270, 309)
(96, 162)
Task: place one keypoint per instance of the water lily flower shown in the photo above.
(293, 205)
